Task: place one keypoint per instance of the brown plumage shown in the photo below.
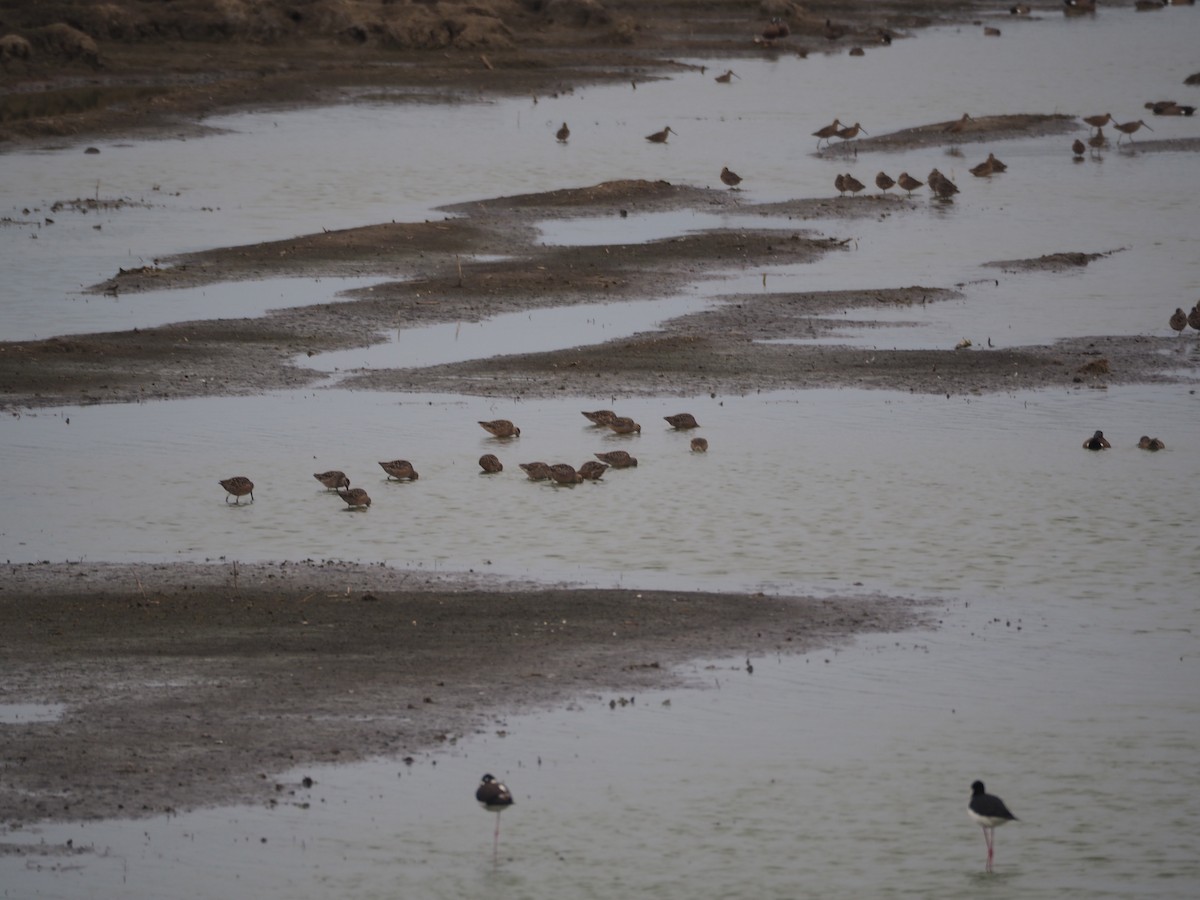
(727, 77)
(563, 133)
(238, 486)
(682, 420)
(1179, 320)
(333, 479)
(599, 416)
(490, 464)
(1149, 443)
(660, 137)
(592, 470)
(730, 178)
(852, 184)
(1098, 121)
(1078, 148)
(908, 183)
(501, 428)
(564, 473)
(618, 459)
(1128, 128)
(941, 185)
(824, 134)
(775, 30)
(958, 125)
(625, 425)
(884, 182)
(356, 498)
(537, 471)
(840, 183)
(400, 469)
(850, 133)
(985, 169)
(1194, 317)
(699, 445)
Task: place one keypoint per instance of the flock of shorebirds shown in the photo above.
(489, 464)
(1180, 320)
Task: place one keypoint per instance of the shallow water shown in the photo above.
(1063, 670)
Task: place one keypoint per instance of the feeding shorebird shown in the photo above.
(495, 797)
(730, 178)
(563, 133)
(884, 182)
(908, 183)
(537, 471)
(592, 470)
(1149, 443)
(490, 464)
(333, 479)
(501, 428)
(852, 184)
(824, 134)
(727, 77)
(990, 812)
(564, 473)
(618, 459)
(356, 498)
(1179, 320)
(599, 416)
(400, 469)
(1098, 121)
(660, 137)
(1078, 148)
(238, 486)
(1128, 128)
(1097, 442)
(682, 420)
(625, 425)
(699, 445)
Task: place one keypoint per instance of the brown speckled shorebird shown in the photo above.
(563, 134)
(908, 183)
(848, 134)
(985, 169)
(564, 473)
(1128, 128)
(238, 486)
(824, 134)
(660, 137)
(884, 182)
(1078, 148)
(490, 464)
(852, 184)
(599, 416)
(1098, 121)
(400, 469)
(1179, 320)
(618, 459)
(501, 428)
(593, 470)
(728, 76)
(1098, 141)
(1149, 443)
(1194, 317)
(625, 425)
(839, 182)
(333, 479)
(1097, 442)
(699, 445)
(732, 179)
(958, 125)
(537, 471)
(941, 185)
(682, 420)
(356, 498)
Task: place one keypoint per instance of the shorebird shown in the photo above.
(958, 125)
(1149, 443)
(1179, 320)
(400, 469)
(908, 183)
(501, 428)
(850, 133)
(592, 470)
(883, 181)
(840, 183)
(490, 464)
(824, 134)
(494, 796)
(599, 416)
(1098, 140)
(333, 479)
(989, 812)
(1078, 148)
(852, 184)
(1098, 121)
(537, 471)
(618, 459)
(699, 445)
(1128, 128)
(563, 133)
(356, 498)
(625, 425)
(991, 31)
(730, 178)
(682, 420)
(1194, 317)
(1170, 108)
(775, 30)
(985, 169)
(941, 185)
(1097, 442)
(238, 486)
(834, 32)
(660, 137)
(727, 77)
(564, 473)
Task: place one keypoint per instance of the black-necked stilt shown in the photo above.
(495, 797)
(989, 812)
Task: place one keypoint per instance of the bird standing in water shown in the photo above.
(563, 133)
(495, 797)
(989, 812)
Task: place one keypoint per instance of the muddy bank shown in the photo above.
(191, 685)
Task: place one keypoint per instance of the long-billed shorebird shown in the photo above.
(400, 469)
(908, 183)
(839, 182)
(824, 134)
(593, 470)
(682, 420)
(1128, 128)
(1098, 121)
(848, 134)
(699, 445)
(941, 185)
(958, 125)
(333, 479)
(494, 796)
(730, 178)
(356, 498)
(728, 76)
(564, 473)
(990, 812)
(490, 464)
(599, 416)
(625, 425)
(1179, 320)
(537, 471)
(238, 486)
(501, 428)
(852, 184)
(618, 459)
(884, 182)
(563, 133)
(660, 137)
(1194, 317)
